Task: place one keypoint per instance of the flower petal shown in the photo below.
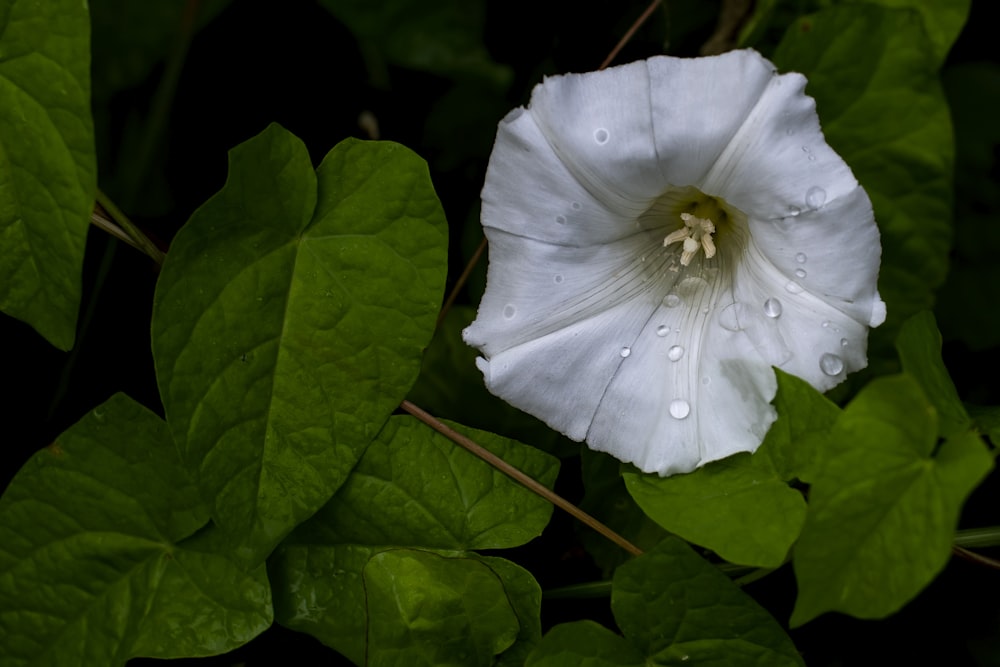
(778, 163)
(627, 131)
(530, 192)
(832, 251)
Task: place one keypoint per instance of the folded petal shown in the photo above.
(778, 163)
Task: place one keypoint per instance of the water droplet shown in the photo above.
(706, 380)
(812, 158)
(805, 149)
(801, 258)
(772, 308)
(671, 301)
(509, 311)
(826, 324)
(831, 364)
(815, 197)
(794, 211)
(662, 330)
(679, 408)
(557, 278)
(793, 287)
(729, 317)
(843, 342)
(561, 219)
(789, 131)
(625, 352)
(800, 273)
(601, 136)
(576, 206)
(675, 353)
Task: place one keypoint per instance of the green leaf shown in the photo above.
(674, 608)
(795, 442)
(412, 489)
(48, 174)
(525, 598)
(93, 563)
(426, 609)
(883, 510)
(942, 20)
(873, 73)
(741, 507)
(289, 321)
(444, 38)
(585, 644)
(919, 346)
(738, 507)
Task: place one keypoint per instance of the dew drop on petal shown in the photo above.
(601, 136)
(576, 206)
(561, 219)
(815, 197)
(812, 158)
(800, 273)
(793, 287)
(557, 279)
(662, 330)
(794, 211)
(826, 324)
(729, 317)
(625, 351)
(675, 353)
(801, 258)
(843, 342)
(772, 308)
(671, 301)
(679, 408)
(706, 380)
(509, 311)
(831, 364)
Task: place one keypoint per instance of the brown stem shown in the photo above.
(631, 31)
(519, 477)
(462, 279)
(973, 557)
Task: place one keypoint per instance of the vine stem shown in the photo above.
(518, 476)
(630, 33)
(973, 557)
(135, 235)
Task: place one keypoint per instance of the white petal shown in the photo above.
(778, 163)
(832, 252)
(530, 192)
(535, 288)
(695, 394)
(628, 131)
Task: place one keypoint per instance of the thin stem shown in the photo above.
(139, 239)
(978, 537)
(631, 32)
(462, 279)
(520, 477)
(98, 219)
(973, 557)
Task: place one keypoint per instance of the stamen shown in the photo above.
(696, 233)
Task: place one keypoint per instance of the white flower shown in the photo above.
(660, 235)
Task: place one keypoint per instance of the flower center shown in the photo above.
(696, 233)
(702, 217)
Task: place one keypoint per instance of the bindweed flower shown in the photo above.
(662, 234)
